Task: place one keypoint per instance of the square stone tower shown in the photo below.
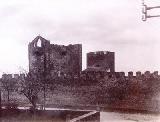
(54, 60)
(101, 60)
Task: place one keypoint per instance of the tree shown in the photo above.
(30, 87)
(9, 85)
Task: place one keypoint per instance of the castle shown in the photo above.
(99, 84)
(60, 60)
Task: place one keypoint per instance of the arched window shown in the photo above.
(39, 43)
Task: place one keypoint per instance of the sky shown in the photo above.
(99, 25)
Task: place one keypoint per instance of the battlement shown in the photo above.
(100, 53)
(102, 60)
(95, 74)
(146, 74)
(138, 74)
(70, 45)
(11, 76)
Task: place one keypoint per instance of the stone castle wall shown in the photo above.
(99, 84)
(54, 59)
(111, 90)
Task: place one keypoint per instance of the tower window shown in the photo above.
(64, 53)
(39, 43)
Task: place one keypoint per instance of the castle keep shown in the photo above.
(101, 60)
(55, 60)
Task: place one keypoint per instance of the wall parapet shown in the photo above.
(15, 76)
(139, 75)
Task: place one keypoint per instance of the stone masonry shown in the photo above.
(101, 60)
(55, 60)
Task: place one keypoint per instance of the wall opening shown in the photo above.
(39, 43)
(64, 53)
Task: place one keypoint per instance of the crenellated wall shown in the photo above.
(139, 75)
(10, 76)
(99, 84)
(105, 89)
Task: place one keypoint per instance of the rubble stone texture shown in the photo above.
(55, 60)
(99, 84)
(101, 60)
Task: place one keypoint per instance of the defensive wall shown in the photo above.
(111, 90)
(98, 85)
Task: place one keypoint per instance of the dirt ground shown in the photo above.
(128, 117)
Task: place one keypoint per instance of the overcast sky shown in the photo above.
(109, 25)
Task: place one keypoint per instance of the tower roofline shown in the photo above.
(100, 52)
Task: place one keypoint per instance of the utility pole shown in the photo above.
(145, 10)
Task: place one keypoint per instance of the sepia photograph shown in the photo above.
(79, 61)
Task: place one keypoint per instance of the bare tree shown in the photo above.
(9, 85)
(30, 87)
